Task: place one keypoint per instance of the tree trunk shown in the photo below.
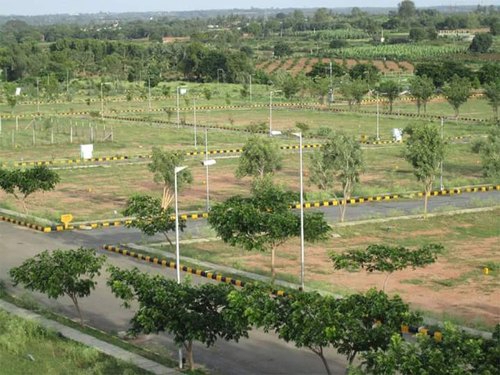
(75, 302)
(189, 354)
(385, 281)
(425, 108)
(419, 104)
(323, 359)
(390, 106)
(428, 187)
(273, 270)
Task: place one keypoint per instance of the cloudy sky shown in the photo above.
(36, 7)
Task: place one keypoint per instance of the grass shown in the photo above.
(28, 348)
(155, 354)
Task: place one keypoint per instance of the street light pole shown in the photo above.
(194, 121)
(250, 78)
(38, 96)
(102, 104)
(223, 74)
(182, 91)
(442, 137)
(207, 162)
(177, 254)
(302, 253)
(378, 120)
(149, 94)
(271, 111)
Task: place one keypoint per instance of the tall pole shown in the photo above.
(378, 120)
(302, 252)
(206, 166)
(250, 76)
(177, 253)
(149, 93)
(441, 167)
(102, 104)
(270, 112)
(194, 121)
(37, 96)
(178, 113)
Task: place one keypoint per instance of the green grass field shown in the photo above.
(27, 348)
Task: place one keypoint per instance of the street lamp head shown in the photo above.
(208, 162)
(299, 134)
(275, 132)
(178, 169)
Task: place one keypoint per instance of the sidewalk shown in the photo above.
(101, 346)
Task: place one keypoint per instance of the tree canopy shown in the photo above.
(61, 273)
(260, 156)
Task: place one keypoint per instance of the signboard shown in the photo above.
(66, 219)
(18, 91)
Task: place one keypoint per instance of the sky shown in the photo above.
(38, 7)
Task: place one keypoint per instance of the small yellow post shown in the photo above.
(66, 219)
(486, 271)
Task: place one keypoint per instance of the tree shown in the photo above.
(389, 89)
(386, 259)
(406, 9)
(425, 152)
(457, 92)
(23, 183)
(492, 92)
(365, 71)
(264, 221)
(190, 313)
(340, 159)
(61, 273)
(150, 217)
(354, 91)
(481, 43)
(163, 165)
(353, 324)
(490, 153)
(456, 353)
(422, 88)
(282, 49)
(260, 156)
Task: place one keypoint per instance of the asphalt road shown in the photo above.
(262, 353)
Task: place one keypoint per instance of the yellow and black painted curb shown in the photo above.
(26, 224)
(65, 161)
(236, 282)
(437, 335)
(307, 205)
(171, 264)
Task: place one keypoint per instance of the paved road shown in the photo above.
(196, 228)
(262, 353)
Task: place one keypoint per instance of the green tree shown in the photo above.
(282, 49)
(490, 153)
(353, 91)
(264, 221)
(456, 353)
(425, 152)
(407, 9)
(386, 259)
(163, 164)
(23, 183)
(422, 88)
(457, 92)
(492, 93)
(260, 156)
(357, 323)
(190, 313)
(340, 160)
(481, 43)
(150, 217)
(61, 273)
(391, 90)
(365, 71)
